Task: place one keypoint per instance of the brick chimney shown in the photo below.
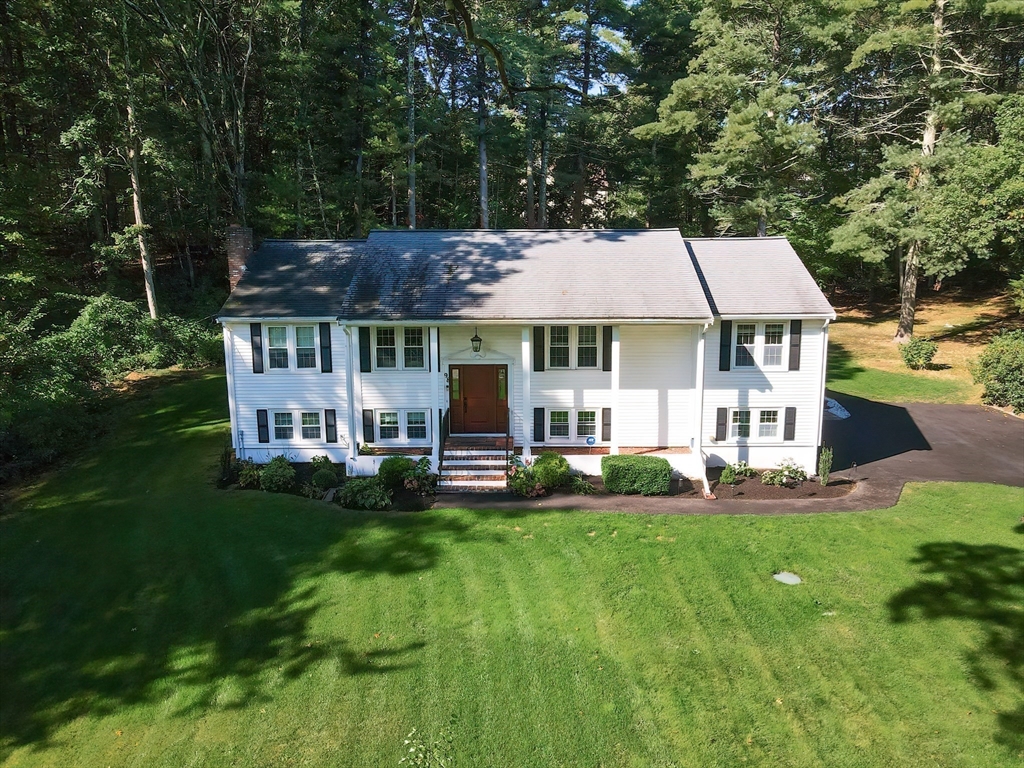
(239, 245)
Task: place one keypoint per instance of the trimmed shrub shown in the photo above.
(364, 493)
(521, 480)
(551, 470)
(278, 476)
(393, 470)
(918, 353)
(1000, 368)
(420, 480)
(646, 475)
(325, 478)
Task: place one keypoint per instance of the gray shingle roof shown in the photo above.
(526, 275)
(756, 276)
(295, 278)
(646, 274)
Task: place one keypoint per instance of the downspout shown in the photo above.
(699, 379)
(353, 444)
(229, 368)
(821, 390)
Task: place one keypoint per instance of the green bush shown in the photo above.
(420, 480)
(918, 353)
(743, 469)
(278, 476)
(581, 486)
(824, 464)
(325, 478)
(1017, 293)
(788, 473)
(521, 480)
(248, 472)
(364, 493)
(728, 475)
(393, 470)
(551, 470)
(646, 475)
(1000, 368)
(321, 462)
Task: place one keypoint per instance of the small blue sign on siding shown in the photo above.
(591, 440)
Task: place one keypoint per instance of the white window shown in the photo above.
(283, 429)
(416, 425)
(773, 334)
(399, 349)
(277, 346)
(305, 346)
(740, 426)
(311, 425)
(746, 338)
(586, 346)
(387, 353)
(413, 347)
(558, 352)
(573, 346)
(402, 426)
(769, 425)
(586, 423)
(387, 422)
(559, 424)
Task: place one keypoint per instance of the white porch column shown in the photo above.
(616, 409)
(436, 387)
(526, 404)
(697, 441)
(356, 391)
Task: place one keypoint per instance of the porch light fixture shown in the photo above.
(476, 341)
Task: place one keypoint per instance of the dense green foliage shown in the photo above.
(1000, 368)
(787, 473)
(918, 353)
(149, 616)
(324, 479)
(393, 471)
(646, 475)
(551, 470)
(364, 493)
(824, 464)
(420, 479)
(278, 476)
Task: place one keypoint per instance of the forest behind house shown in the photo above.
(884, 138)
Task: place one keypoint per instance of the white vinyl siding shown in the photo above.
(656, 385)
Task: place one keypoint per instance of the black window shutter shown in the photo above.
(331, 425)
(538, 347)
(262, 426)
(725, 346)
(368, 430)
(606, 424)
(796, 328)
(256, 334)
(365, 364)
(721, 422)
(326, 361)
(538, 425)
(789, 433)
(607, 347)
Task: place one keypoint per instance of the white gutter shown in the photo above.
(776, 315)
(821, 390)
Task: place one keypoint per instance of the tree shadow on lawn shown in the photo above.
(983, 584)
(130, 579)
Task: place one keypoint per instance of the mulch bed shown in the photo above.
(752, 489)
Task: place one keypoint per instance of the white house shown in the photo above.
(465, 345)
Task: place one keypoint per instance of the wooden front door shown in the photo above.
(478, 399)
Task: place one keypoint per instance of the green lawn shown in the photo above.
(149, 619)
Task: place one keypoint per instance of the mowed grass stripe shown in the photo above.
(149, 619)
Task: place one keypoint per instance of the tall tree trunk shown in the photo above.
(481, 116)
(762, 224)
(364, 33)
(531, 213)
(410, 94)
(908, 285)
(140, 223)
(545, 147)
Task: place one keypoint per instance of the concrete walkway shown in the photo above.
(881, 446)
